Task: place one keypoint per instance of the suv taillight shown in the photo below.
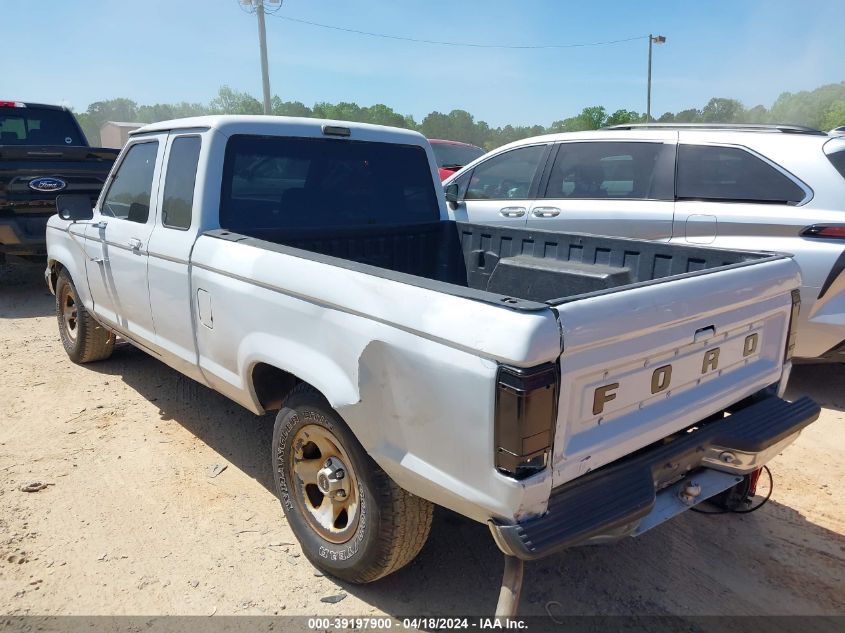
(835, 231)
(526, 413)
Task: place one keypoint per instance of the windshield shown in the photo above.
(38, 126)
(449, 155)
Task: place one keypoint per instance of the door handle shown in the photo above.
(135, 244)
(546, 212)
(512, 212)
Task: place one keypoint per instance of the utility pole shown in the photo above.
(652, 39)
(262, 43)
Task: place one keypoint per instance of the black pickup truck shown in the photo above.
(43, 152)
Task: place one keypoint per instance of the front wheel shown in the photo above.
(83, 338)
(352, 520)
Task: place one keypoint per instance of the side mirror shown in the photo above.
(74, 207)
(452, 193)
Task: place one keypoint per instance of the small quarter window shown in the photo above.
(129, 195)
(709, 172)
(837, 159)
(180, 181)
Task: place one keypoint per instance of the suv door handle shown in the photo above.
(135, 244)
(546, 212)
(512, 212)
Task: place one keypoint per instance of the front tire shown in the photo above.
(351, 519)
(84, 339)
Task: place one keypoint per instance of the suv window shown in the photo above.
(129, 195)
(708, 172)
(179, 182)
(632, 171)
(505, 176)
(274, 182)
(838, 161)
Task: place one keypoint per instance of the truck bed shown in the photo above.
(524, 268)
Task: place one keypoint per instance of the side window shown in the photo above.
(632, 171)
(707, 172)
(179, 182)
(506, 176)
(837, 159)
(129, 196)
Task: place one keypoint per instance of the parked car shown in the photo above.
(452, 155)
(43, 152)
(772, 188)
(554, 386)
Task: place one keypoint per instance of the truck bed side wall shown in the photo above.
(394, 359)
(550, 266)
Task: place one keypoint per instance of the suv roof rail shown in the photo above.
(741, 127)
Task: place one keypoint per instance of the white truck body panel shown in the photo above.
(412, 369)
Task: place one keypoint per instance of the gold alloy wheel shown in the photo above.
(70, 312)
(324, 484)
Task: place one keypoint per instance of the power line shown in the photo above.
(463, 44)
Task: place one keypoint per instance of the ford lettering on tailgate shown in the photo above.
(659, 375)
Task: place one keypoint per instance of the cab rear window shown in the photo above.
(276, 182)
(38, 126)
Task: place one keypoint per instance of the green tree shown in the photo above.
(834, 116)
(688, 116)
(380, 114)
(807, 107)
(621, 117)
(591, 118)
(230, 101)
(289, 108)
(89, 127)
(165, 111)
(113, 110)
(757, 114)
(721, 110)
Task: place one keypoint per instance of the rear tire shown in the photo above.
(358, 526)
(84, 339)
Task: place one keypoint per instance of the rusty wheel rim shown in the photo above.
(69, 314)
(325, 485)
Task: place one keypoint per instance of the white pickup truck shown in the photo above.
(563, 388)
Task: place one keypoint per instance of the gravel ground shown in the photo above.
(130, 522)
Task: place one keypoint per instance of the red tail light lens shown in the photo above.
(11, 104)
(835, 231)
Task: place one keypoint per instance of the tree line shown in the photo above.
(822, 108)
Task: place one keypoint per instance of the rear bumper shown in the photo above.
(612, 501)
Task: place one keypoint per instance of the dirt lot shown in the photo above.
(132, 524)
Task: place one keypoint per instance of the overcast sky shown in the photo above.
(182, 50)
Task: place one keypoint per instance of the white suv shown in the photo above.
(774, 188)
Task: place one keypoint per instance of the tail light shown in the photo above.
(526, 412)
(793, 324)
(835, 231)
(12, 104)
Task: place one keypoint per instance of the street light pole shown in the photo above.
(652, 39)
(262, 43)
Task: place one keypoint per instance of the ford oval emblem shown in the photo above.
(47, 184)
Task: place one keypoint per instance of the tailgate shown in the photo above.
(644, 362)
(79, 169)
